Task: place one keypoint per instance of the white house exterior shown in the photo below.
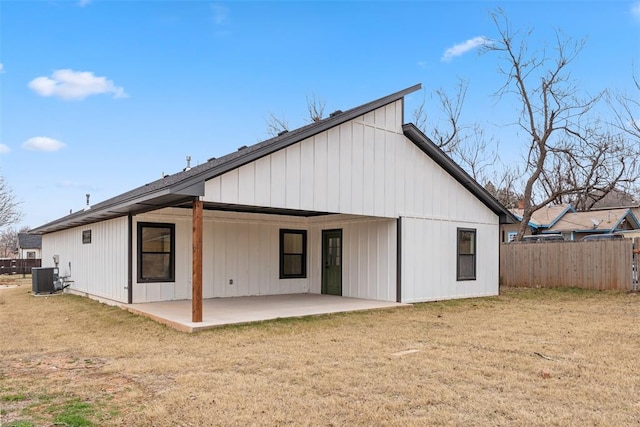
(357, 205)
(29, 246)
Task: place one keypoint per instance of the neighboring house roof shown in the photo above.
(29, 241)
(615, 199)
(545, 217)
(600, 221)
(182, 187)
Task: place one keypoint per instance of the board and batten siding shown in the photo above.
(239, 256)
(165, 291)
(429, 256)
(369, 256)
(244, 248)
(363, 167)
(99, 268)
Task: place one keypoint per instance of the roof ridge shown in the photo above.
(188, 184)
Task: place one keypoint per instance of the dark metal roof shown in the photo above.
(29, 241)
(432, 150)
(184, 186)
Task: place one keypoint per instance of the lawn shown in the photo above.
(527, 357)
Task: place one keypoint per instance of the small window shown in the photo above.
(466, 254)
(86, 237)
(31, 255)
(156, 252)
(293, 254)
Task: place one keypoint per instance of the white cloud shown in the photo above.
(464, 47)
(69, 84)
(635, 9)
(83, 3)
(4, 149)
(1, 68)
(220, 13)
(43, 143)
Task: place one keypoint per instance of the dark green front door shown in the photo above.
(332, 262)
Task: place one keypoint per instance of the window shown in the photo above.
(466, 254)
(86, 237)
(31, 255)
(156, 252)
(293, 254)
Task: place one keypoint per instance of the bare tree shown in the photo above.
(276, 125)
(9, 240)
(9, 205)
(567, 156)
(477, 154)
(464, 143)
(445, 135)
(627, 112)
(315, 107)
(506, 188)
(603, 164)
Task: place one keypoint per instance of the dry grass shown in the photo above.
(528, 357)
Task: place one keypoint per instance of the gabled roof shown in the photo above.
(29, 241)
(182, 187)
(615, 199)
(600, 221)
(416, 136)
(545, 217)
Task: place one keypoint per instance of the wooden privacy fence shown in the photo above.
(18, 266)
(601, 265)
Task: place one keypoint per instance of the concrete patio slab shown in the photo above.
(228, 311)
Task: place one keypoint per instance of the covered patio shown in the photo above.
(228, 311)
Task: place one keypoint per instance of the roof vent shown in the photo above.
(335, 113)
(211, 159)
(283, 132)
(188, 164)
(242, 148)
(88, 206)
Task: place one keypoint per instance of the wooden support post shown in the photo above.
(196, 277)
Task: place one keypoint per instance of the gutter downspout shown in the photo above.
(130, 259)
(399, 260)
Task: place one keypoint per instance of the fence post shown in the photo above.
(634, 284)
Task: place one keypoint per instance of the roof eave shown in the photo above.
(560, 215)
(153, 200)
(193, 185)
(416, 136)
(294, 137)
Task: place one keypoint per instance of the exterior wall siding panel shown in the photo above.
(237, 248)
(244, 249)
(367, 269)
(429, 260)
(363, 167)
(98, 268)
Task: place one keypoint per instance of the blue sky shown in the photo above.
(100, 97)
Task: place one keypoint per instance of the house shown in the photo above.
(541, 220)
(358, 205)
(29, 246)
(576, 225)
